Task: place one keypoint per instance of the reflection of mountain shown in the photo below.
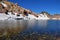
(11, 10)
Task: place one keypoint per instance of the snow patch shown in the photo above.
(31, 16)
(42, 17)
(3, 4)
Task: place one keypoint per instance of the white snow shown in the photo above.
(3, 16)
(42, 17)
(15, 13)
(25, 18)
(11, 15)
(31, 16)
(14, 16)
(54, 18)
(4, 4)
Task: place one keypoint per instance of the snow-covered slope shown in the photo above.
(29, 17)
(43, 17)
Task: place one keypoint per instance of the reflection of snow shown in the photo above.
(42, 23)
(31, 23)
(10, 24)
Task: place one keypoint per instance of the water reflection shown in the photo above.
(22, 23)
(30, 30)
(31, 23)
(42, 23)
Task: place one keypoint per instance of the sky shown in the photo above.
(50, 6)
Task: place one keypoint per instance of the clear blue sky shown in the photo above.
(51, 6)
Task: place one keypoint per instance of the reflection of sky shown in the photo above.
(33, 25)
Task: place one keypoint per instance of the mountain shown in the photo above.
(11, 10)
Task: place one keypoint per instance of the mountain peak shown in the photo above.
(43, 12)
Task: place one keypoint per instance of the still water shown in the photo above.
(30, 30)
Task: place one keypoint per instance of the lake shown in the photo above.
(30, 30)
